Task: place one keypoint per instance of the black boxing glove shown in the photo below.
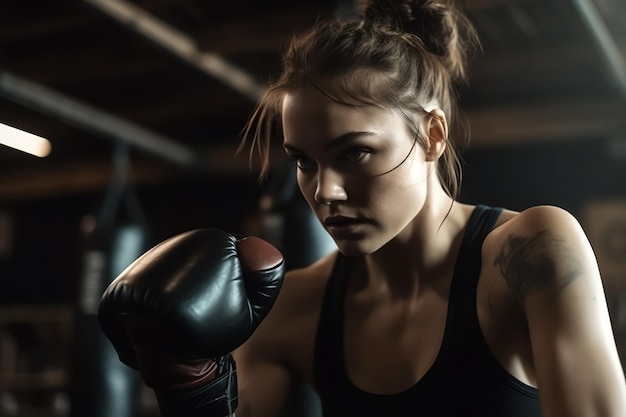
(177, 312)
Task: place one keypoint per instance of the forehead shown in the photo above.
(309, 114)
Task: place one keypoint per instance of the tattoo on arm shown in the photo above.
(532, 263)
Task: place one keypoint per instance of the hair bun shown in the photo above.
(440, 24)
(429, 23)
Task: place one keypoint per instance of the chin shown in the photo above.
(355, 248)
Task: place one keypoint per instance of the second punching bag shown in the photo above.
(291, 226)
(100, 385)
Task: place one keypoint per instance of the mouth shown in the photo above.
(337, 221)
(343, 226)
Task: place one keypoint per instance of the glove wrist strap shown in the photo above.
(192, 388)
(216, 399)
(162, 372)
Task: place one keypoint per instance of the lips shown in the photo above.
(345, 228)
(341, 227)
(341, 221)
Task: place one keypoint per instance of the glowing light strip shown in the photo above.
(91, 119)
(24, 141)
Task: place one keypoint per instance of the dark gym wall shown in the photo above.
(567, 173)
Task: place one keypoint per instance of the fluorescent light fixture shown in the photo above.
(24, 141)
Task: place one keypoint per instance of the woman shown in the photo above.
(430, 307)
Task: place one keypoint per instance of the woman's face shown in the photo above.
(359, 168)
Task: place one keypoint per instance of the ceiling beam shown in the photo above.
(267, 32)
(12, 31)
(519, 62)
(591, 119)
(180, 45)
(272, 31)
(94, 175)
(95, 121)
(76, 178)
(492, 4)
(99, 62)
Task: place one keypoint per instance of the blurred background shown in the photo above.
(143, 103)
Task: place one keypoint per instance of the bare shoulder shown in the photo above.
(300, 297)
(308, 282)
(541, 250)
(287, 335)
(541, 217)
(536, 222)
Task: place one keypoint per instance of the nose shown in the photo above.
(330, 188)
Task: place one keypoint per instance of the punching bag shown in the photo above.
(100, 385)
(289, 223)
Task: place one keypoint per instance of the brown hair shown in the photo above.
(396, 54)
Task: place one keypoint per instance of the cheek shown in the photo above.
(306, 186)
(397, 197)
(408, 177)
(392, 194)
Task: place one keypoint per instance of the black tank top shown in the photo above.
(465, 379)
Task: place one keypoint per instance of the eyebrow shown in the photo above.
(336, 142)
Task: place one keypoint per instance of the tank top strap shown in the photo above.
(462, 297)
(328, 354)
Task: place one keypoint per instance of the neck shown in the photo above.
(420, 257)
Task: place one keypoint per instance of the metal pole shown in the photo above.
(47, 101)
(614, 57)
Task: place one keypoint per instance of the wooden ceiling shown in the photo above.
(173, 81)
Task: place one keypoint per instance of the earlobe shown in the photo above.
(437, 134)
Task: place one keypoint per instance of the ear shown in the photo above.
(437, 128)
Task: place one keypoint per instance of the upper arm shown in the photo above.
(264, 384)
(264, 380)
(550, 267)
(277, 358)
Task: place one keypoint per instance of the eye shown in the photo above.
(357, 154)
(302, 162)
